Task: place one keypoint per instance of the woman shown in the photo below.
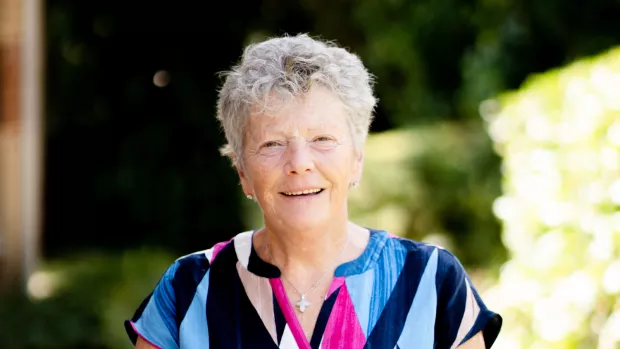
(296, 113)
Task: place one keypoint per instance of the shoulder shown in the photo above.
(443, 262)
(189, 269)
(450, 277)
(397, 244)
(410, 246)
(460, 311)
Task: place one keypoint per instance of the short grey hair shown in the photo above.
(287, 67)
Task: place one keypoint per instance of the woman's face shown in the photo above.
(299, 161)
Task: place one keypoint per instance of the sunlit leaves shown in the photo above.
(560, 209)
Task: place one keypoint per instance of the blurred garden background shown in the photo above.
(497, 136)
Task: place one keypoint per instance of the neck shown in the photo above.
(306, 252)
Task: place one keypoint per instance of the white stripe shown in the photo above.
(418, 331)
(243, 247)
(193, 332)
(469, 316)
(259, 292)
(209, 254)
(288, 341)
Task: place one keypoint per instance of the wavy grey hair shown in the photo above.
(287, 67)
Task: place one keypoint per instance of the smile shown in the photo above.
(303, 192)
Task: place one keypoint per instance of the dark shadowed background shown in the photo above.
(134, 179)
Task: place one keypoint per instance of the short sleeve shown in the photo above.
(461, 313)
(155, 318)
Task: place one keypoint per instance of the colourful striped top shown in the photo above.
(397, 294)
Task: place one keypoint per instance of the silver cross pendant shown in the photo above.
(303, 303)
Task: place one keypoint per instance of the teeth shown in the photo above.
(309, 191)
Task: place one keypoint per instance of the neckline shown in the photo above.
(365, 261)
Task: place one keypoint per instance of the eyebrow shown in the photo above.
(272, 132)
(315, 129)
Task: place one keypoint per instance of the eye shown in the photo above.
(324, 139)
(271, 144)
(324, 142)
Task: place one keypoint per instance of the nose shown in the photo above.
(299, 158)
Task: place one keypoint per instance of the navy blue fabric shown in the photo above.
(233, 321)
(165, 300)
(190, 271)
(279, 318)
(488, 322)
(387, 331)
(452, 294)
(450, 279)
(492, 328)
(321, 322)
(133, 336)
(376, 243)
(261, 268)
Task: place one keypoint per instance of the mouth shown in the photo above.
(303, 193)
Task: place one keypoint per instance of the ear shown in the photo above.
(243, 178)
(358, 166)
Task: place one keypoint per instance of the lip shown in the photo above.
(301, 189)
(301, 197)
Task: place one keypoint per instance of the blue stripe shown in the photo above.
(321, 322)
(190, 272)
(194, 331)
(387, 272)
(153, 328)
(133, 336)
(164, 300)
(358, 286)
(419, 326)
(381, 280)
(390, 325)
(452, 292)
(233, 320)
(366, 260)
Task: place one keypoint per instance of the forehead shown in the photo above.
(317, 109)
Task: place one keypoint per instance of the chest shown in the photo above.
(362, 311)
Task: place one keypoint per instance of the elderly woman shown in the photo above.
(296, 113)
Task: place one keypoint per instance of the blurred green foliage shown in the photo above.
(438, 59)
(80, 301)
(434, 183)
(559, 137)
(131, 164)
(136, 164)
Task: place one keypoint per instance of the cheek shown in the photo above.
(264, 175)
(263, 181)
(337, 168)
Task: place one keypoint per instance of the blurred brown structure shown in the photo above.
(21, 77)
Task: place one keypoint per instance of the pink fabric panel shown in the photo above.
(336, 283)
(217, 248)
(343, 329)
(289, 313)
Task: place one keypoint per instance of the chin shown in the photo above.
(304, 220)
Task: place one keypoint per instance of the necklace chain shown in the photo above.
(303, 303)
